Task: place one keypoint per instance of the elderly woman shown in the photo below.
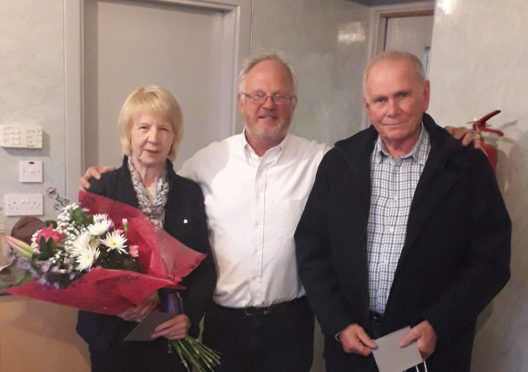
(151, 129)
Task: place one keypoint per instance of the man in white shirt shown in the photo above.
(255, 186)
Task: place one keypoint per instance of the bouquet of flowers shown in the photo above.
(104, 256)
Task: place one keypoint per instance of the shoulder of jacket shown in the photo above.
(108, 180)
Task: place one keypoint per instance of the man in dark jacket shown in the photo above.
(403, 227)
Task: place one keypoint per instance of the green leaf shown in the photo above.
(49, 223)
(79, 217)
(47, 249)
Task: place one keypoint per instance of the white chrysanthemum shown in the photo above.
(115, 240)
(80, 243)
(85, 253)
(100, 226)
(99, 217)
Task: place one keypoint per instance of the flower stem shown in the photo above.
(194, 355)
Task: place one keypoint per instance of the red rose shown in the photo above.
(48, 233)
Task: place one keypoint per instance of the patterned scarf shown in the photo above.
(154, 210)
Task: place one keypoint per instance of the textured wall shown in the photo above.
(326, 42)
(479, 63)
(32, 89)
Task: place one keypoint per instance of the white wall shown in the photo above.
(479, 63)
(35, 335)
(326, 42)
(32, 89)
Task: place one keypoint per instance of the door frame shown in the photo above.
(380, 14)
(236, 40)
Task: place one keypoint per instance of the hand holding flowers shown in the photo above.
(139, 312)
(173, 329)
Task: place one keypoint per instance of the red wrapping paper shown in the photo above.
(164, 262)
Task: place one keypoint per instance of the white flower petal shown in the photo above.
(115, 241)
(100, 226)
(87, 257)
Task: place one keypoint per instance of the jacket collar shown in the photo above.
(361, 145)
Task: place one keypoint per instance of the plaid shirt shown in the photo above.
(393, 184)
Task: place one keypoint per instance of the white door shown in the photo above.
(191, 51)
(412, 34)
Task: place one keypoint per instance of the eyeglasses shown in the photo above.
(259, 98)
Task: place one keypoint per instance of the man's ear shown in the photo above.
(294, 102)
(365, 103)
(427, 93)
(239, 101)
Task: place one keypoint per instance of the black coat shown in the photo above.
(454, 261)
(185, 203)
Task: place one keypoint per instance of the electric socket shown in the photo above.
(23, 205)
(30, 170)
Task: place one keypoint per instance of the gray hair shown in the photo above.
(394, 55)
(253, 61)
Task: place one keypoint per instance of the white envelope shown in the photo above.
(390, 357)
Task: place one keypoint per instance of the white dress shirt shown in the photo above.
(253, 206)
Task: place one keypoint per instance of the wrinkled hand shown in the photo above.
(465, 136)
(140, 311)
(354, 339)
(173, 329)
(425, 337)
(94, 172)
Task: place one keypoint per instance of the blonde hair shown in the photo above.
(162, 103)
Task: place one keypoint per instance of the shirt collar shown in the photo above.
(419, 152)
(273, 152)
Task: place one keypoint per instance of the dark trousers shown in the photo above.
(251, 341)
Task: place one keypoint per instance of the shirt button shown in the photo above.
(391, 229)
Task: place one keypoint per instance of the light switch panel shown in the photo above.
(22, 136)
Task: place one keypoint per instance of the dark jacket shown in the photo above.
(185, 220)
(454, 261)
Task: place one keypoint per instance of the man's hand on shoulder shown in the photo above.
(425, 337)
(94, 172)
(465, 136)
(354, 339)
